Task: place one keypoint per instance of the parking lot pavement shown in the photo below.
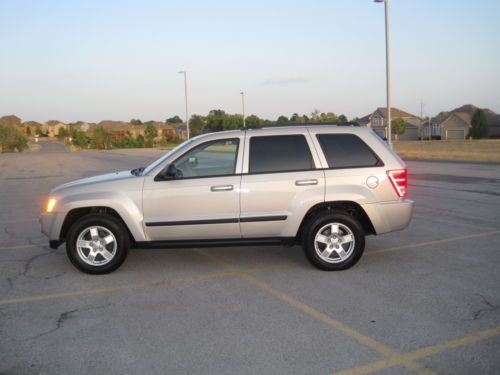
(424, 300)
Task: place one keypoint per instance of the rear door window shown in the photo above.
(279, 153)
(347, 151)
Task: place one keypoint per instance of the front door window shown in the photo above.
(217, 158)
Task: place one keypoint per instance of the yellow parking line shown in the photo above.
(14, 247)
(91, 292)
(422, 353)
(312, 312)
(436, 242)
(147, 284)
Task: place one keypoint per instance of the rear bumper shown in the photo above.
(390, 216)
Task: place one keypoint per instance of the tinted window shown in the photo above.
(346, 151)
(279, 153)
(216, 158)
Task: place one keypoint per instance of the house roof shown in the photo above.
(32, 123)
(54, 122)
(395, 112)
(466, 112)
(115, 125)
(10, 120)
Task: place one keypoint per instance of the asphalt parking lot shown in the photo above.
(425, 300)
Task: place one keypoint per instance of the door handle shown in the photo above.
(222, 188)
(306, 182)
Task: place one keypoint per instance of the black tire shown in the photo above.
(111, 224)
(336, 262)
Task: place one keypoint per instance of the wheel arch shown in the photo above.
(76, 213)
(347, 207)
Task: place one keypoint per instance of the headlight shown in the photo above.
(51, 204)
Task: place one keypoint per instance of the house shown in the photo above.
(377, 120)
(32, 127)
(53, 127)
(83, 126)
(456, 123)
(180, 130)
(118, 129)
(165, 131)
(11, 120)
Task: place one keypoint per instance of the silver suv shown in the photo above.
(325, 187)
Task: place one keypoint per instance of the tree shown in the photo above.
(480, 126)
(101, 138)
(80, 139)
(197, 125)
(398, 126)
(136, 121)
(282, 120)
(316, 115)
(12, 140)
(296, 119)
(62, 133)
(174, 120)
(215, 120)
(253, 120)
(342, 119)
(329, 117)
(140, 140)
(28, 131)
(150, 133)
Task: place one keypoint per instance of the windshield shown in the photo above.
(156, 163)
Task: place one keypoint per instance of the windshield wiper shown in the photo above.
(137, 171)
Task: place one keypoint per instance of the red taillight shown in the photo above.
(399, 181)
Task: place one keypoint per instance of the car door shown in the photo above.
(202, 202)
(282, 179)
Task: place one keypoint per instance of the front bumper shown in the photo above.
(51, 224)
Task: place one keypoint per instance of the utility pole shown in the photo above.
(186, 101)
(387, 69)
(243, 107)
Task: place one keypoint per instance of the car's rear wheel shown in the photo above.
(334, 241)
(97, 244)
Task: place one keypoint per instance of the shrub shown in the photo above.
(12, 140)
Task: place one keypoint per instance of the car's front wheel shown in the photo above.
(97, 244)
(334, 241)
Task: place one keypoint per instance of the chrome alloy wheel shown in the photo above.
(96, 245)
(334, 242)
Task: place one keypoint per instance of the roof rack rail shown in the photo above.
(265, 126)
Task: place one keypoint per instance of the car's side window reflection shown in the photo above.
(217, 158)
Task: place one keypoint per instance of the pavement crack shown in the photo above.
(12, 235)
(490, 307)
(67, 315)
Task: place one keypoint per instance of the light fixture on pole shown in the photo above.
(243, 107)
(387, 69)
(186, 101)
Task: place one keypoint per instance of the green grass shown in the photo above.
(484, 150)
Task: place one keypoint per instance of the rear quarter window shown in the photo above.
(347, 151)
(279, 153)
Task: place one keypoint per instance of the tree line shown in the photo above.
(219, 120)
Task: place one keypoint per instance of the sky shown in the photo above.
(94, 60)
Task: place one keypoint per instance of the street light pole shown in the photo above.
(387, 69)
(243, 107)
(186, 100)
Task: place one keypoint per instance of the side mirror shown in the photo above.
(169, 173)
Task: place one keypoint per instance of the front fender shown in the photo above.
(128, 206)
